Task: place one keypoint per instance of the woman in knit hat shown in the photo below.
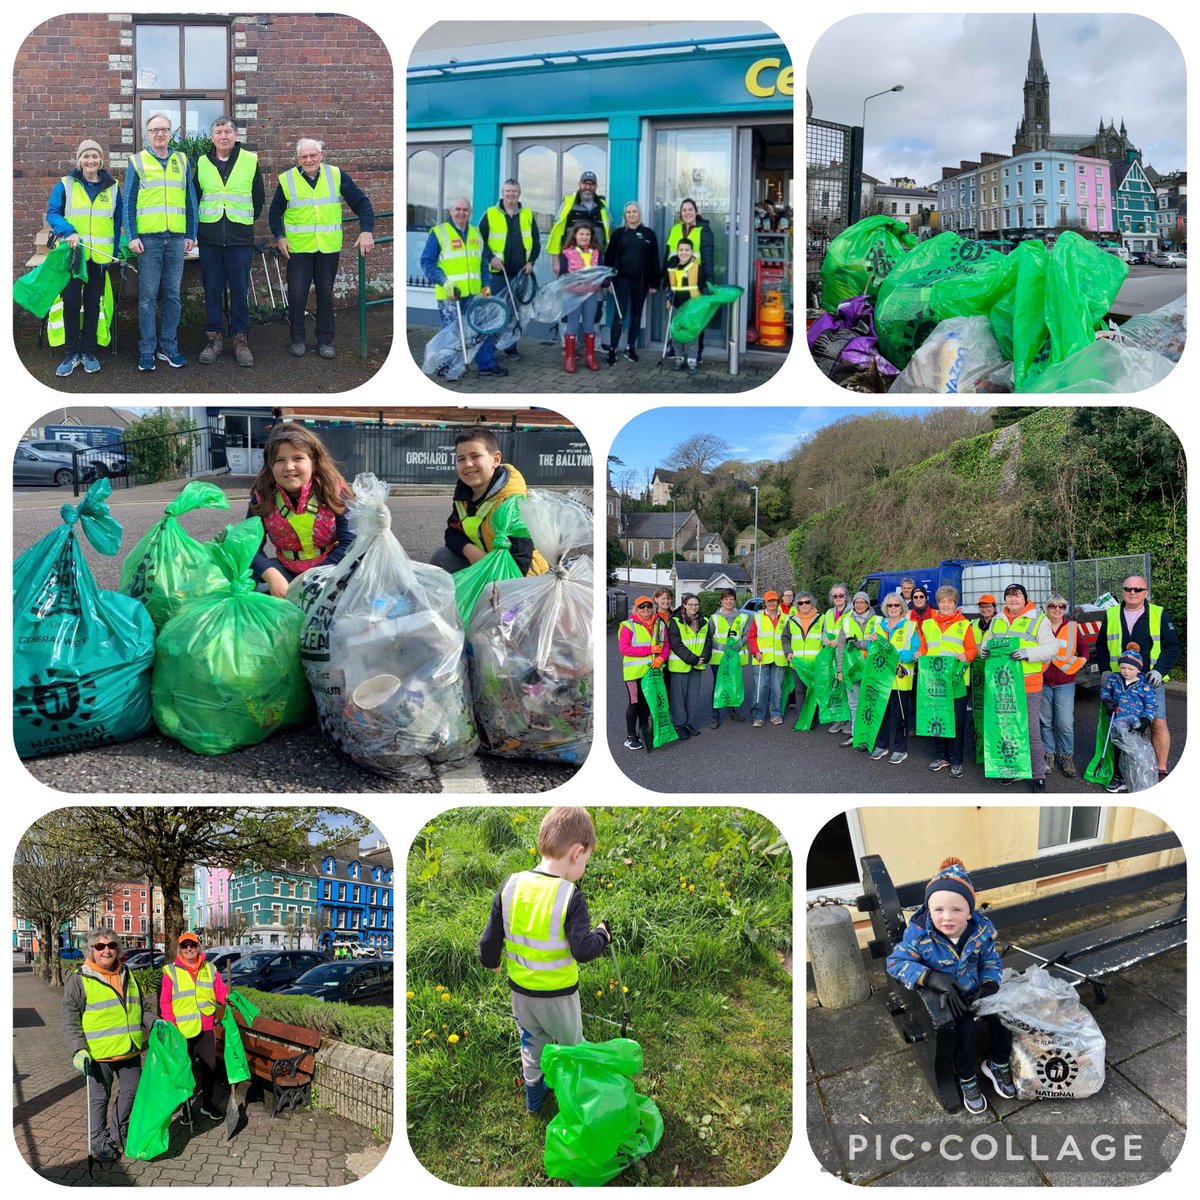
(949, 950)
(85, 210)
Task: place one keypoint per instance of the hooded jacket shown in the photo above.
(506, 481)
(924, 948)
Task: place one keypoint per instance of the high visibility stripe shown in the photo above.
(1066, 660)
(115, 1002)
(537, 964)
(111, 1031)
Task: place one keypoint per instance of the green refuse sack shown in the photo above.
(602, 1125)
(168, 565)
(82, 656)
(875, 690)
(166, 1083)
(227, 671)
(729, 688)
(654, 689)
(1005, 716)
(936, 690)
(824, 690)
(37, 289)
(496, 565)
(692, 319)
(1103, 765)
(861, 257)
(237, 1068)
(978, 679)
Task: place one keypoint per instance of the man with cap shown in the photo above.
(583, 208)
(1038, 646)
(1153, 632)
(192, 999)
(765, 643)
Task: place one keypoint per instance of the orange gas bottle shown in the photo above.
(772, 328)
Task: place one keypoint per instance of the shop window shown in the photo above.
(181, 71)
(436, 175)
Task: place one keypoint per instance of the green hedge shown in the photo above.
(357, 1025)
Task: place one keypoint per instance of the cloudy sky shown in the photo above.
(963, 76)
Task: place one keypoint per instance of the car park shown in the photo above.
(271, 970)
(37, 467)
(1140, 257)
(356, 982)
(1169, 258)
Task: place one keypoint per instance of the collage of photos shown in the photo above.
(279, 663)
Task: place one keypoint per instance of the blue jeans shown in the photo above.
(768, 688)
(448, 312)
(1058, 720)
(583, 320)
(221, 265)
(160, 272)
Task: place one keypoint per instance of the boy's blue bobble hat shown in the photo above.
(1132, 656)
(952, 877)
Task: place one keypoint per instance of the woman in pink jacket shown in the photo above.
(193, 999)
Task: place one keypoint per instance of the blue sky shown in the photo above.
(752, 433)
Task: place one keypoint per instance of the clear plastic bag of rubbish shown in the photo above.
(382, 648)
(958, 356)
(1138, 763)
(562, 297)
(1105, 366)
(444, 351)
(1163, 331)
(530, 643)
(1058, 1049)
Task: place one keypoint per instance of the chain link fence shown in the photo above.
(1096, 576)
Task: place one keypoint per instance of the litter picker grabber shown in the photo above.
(512, 299)
(667, 335)
(613, 292)
(462, 333)
(87, 1101)
(623, 1025)
(1101, 990)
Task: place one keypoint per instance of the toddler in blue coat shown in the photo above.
(951, 949)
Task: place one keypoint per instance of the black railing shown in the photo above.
(132, 461)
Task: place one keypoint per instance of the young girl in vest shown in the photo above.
(682, 281)
(579, 252)
(690, 638)
(641, 640)
(301, 497)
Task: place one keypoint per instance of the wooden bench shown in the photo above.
(1087, 957)
(279, 1055)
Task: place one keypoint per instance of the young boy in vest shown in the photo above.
(193, 999)
(540, 930)
(484, 483)
(682, 281)
(1129, 701)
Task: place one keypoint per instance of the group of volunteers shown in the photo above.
(463, 260)
(166, 206)
(1135, 653)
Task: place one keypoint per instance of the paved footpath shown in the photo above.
(306, 1147)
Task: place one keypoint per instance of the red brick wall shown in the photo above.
(293, 75)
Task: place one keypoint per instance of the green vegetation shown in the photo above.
(369, 1026)
(161, 446)
(700, 900)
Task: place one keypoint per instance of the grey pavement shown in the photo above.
(778, 758)
(863, 1079)
(1148, 288)
(540, 369)
(293, 760)
(302, 1148)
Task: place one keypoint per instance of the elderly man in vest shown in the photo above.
(1148, 625)
(306, 221)
(513, 242)
(192, 999)
(454, 262)
(230, 196)
(160, 212)
(105, 1028)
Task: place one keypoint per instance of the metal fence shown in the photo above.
(133, 461)
(1085, 580)
(834, 188)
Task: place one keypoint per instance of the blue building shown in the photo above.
(354, 888)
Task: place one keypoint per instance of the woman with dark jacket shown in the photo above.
(690, 638)
(633, 253)
(698, 231)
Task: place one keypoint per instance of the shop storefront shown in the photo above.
(658, 122)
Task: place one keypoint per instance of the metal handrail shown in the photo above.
(363, 302)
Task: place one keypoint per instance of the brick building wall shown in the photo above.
(291, 75)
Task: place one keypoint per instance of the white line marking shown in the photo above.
(466, 779)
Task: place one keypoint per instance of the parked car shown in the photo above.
(270, 970)
(37, 467)
(348, 982)
(145, 958)
(221, 959)
(1169, 258)
(1141, 257)
(753, 606)
(1118, 252)
(71, 952)
(106, 460)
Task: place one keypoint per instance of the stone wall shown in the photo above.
(356, 1084)
(774, 567)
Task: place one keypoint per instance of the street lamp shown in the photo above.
(898, 88)
(754, 582)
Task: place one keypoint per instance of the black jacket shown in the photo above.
(675, 641)
(633, 254)
(226, 232)
(354, 196)
(514, 248)
(521, 548)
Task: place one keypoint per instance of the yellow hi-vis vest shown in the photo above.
(1115, 634)
(559, 229)
(806, 645)
(459, 261)
(93, 220)
(536, 949)
(770, 639)
(162, 193)
(693, 236)
(685, 278)
(1025, 627)
(831, 623)
(899, 638)
(634, 666)
(480, 528)
(951, 640)
(190, 999)
(497, 220)
(232, 197)
(312, 221)
(112, 1025)
(693, 639)
(56, 332)
(722, 629)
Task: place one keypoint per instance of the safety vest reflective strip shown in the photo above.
(559, 228)
(536, 948)
(232, 197)
(722, 629)
(810, 642)
(473, 526)
(693, 639)
(162, 193)
(302, 524)
(198, 996)
(899, 638)
(634, 667)
(1115, 631)
(56, 333)
(951, 640)
(830, 623)
(693, 236)
(1066, 660)
(769, 638)
(1025, 627)
(92, 220)
(497, 220)
(458, 261)
(112, 1026)
(312, 220)
(684, 279)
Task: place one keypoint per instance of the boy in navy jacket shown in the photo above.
(950, 949)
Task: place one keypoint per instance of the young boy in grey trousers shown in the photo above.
(539, 926)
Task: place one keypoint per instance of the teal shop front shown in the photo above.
(707, 119)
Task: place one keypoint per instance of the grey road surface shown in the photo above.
(1148, 288)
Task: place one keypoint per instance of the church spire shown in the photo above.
(1034, 130)
(1036, 70)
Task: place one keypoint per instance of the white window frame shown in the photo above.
(1083, 843)
(1037, 164)
(1039, 187)
(846, 891)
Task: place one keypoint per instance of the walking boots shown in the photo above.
(241, 350)
(589, 350)
(212, 351)
(569, 354)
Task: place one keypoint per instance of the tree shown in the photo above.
(697, 455)
(160, 446)
(315, 923)
(52, 882)
(665, 560)
(166, 842)
(236, 926)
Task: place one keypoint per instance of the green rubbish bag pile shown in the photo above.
(956, 315)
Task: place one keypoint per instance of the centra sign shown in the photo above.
(761, 80)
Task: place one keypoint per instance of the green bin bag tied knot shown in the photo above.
(92, 515)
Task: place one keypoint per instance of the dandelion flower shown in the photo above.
(445, 1026)
(624, 988)
(691, 888)
(439, 988)
(726, 893)
(452, 1038)
(445, 995)
(409, 995)
(682, 880)
(599, 992)
(610, 886)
